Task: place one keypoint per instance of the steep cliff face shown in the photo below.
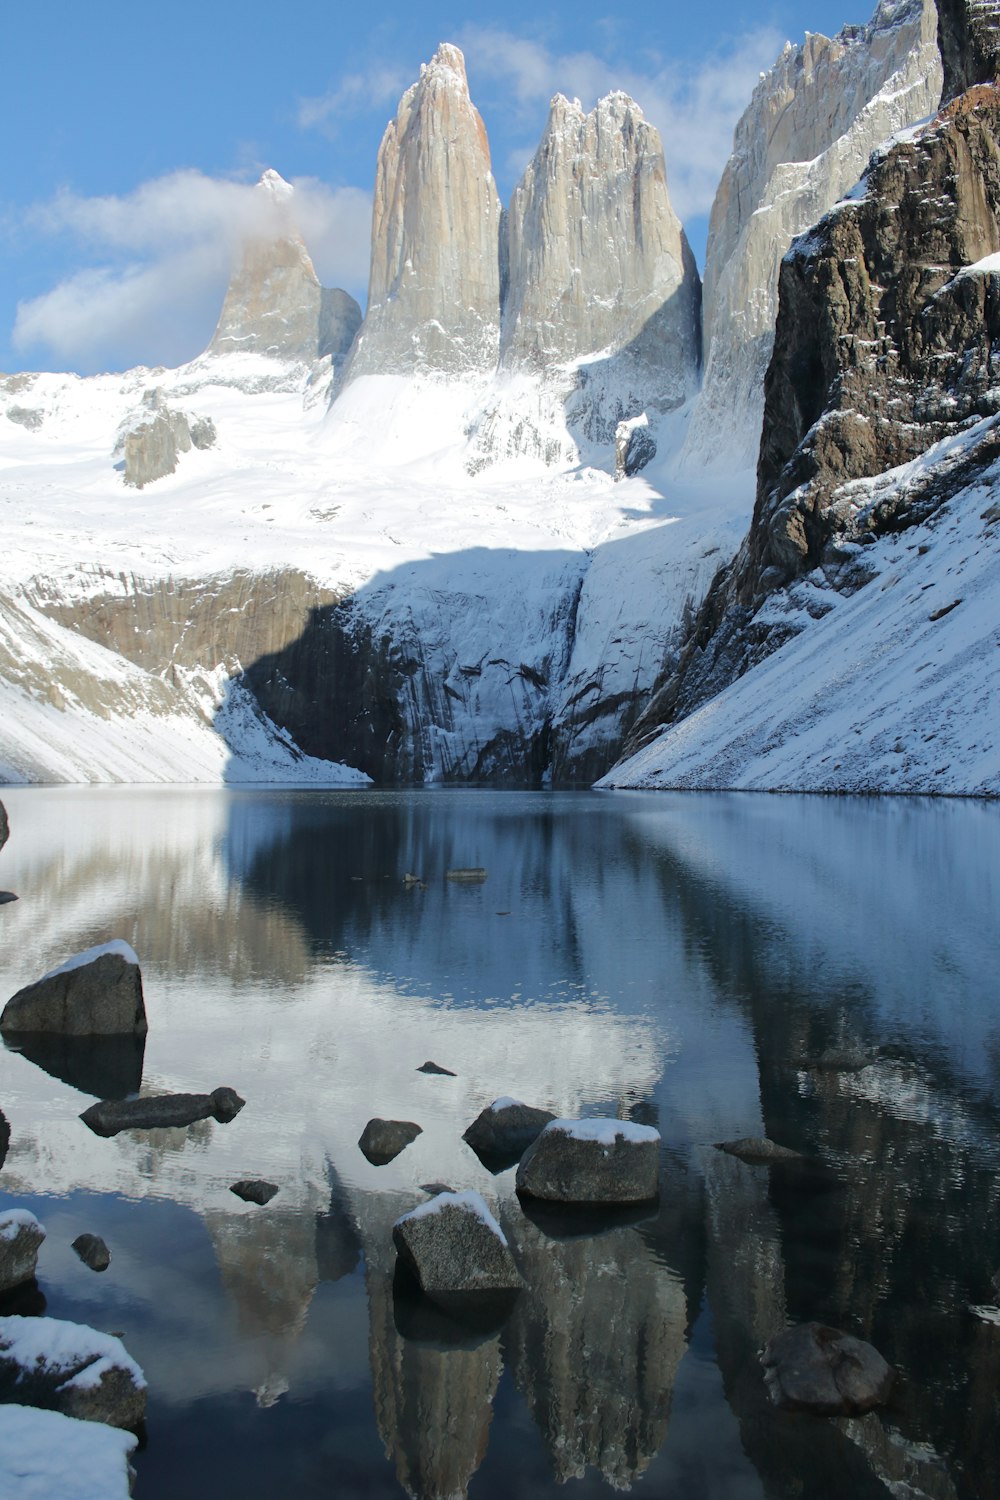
(802, 143)
(434, 289)
(886, 363)
(598, 261)
(969, 40)
(274, 304)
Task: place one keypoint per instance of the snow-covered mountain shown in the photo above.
(468, 538)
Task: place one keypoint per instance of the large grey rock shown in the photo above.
(592, 1161)
(504, 1130)
(819, 1369)
(382, 1140)
(95, 993)
(757, 1150)
(597, 258)
(153, 438)
(20, 1238)
(434, 289)
(274, 303)
(162, 1111)
(801, 145)
(72, 1369)
(456, 1250)
(635, 446)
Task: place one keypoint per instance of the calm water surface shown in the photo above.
(823, 971)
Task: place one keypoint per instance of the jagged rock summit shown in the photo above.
(434, 289)
(274, 304)
(597, 258)
(800, 146)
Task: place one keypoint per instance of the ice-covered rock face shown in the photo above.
(274, 304)
(597, 257)
(802, 143)
(434, 290)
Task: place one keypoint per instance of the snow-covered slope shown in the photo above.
(892, 687)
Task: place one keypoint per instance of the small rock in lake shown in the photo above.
(20, 1238)
(4, 1137)
(592, 1161)
(162, 1111)
(435, 1187)
(472, 876)
(6, 897)
(72, 1369)
(92, 1251)
(254, 1190)
(4, 826)
(413, 880)
(815, 1368)
(503, 1131)
(456, 1250)
(95, 993)
(757, 1150)
(433, 1067)
(382, 1140)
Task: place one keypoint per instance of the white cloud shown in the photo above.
(695, 110)
(379, 87)
(165, 252)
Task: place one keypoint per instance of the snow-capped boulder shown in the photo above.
(152, 439)
(20, 1238)
(95, 993)
(819, 1369)
(635, 446)
(43, 1453)
(274, 303)
(504, 1130)
(162, 1111)
(800, 146)
(592, 1161)
(456, 1250)
(434, 289)
(381, 1141)
(72, 1369)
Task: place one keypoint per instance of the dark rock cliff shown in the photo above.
(969, 41)
(885, 343)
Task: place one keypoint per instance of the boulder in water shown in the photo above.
(94, 993)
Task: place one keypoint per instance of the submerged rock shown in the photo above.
(502, 1132)
(72, 1369)
(97, 992)
(254, 1190)
(92, 1251)
(819, 1369)
(161, 1111)
(473, 875)
(757, 1149)
(592, 1161)
(456, 1250)
(20, 1238)
(382, 1140)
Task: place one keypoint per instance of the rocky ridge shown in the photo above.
(887, 344)
(801, 144)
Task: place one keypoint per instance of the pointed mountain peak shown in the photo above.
(447, 59)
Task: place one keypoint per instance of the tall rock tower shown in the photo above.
(274, 304)
(598, 261)
(434, 290)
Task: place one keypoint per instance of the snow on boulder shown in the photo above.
(502, 1132)
(456, 1250)
(72, 1369)
(44, 1454)
(592, 1161)
(20, 1236)
(819, 1369)
(95, 993)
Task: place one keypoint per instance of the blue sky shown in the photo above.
(133, 134)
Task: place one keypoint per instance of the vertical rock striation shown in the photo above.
(802, 143)
(434, 289)
(274, 304)
(969, 39)
(598, 260)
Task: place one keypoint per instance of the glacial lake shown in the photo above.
(825, 971)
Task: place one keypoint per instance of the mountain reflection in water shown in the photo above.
(821, 971)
